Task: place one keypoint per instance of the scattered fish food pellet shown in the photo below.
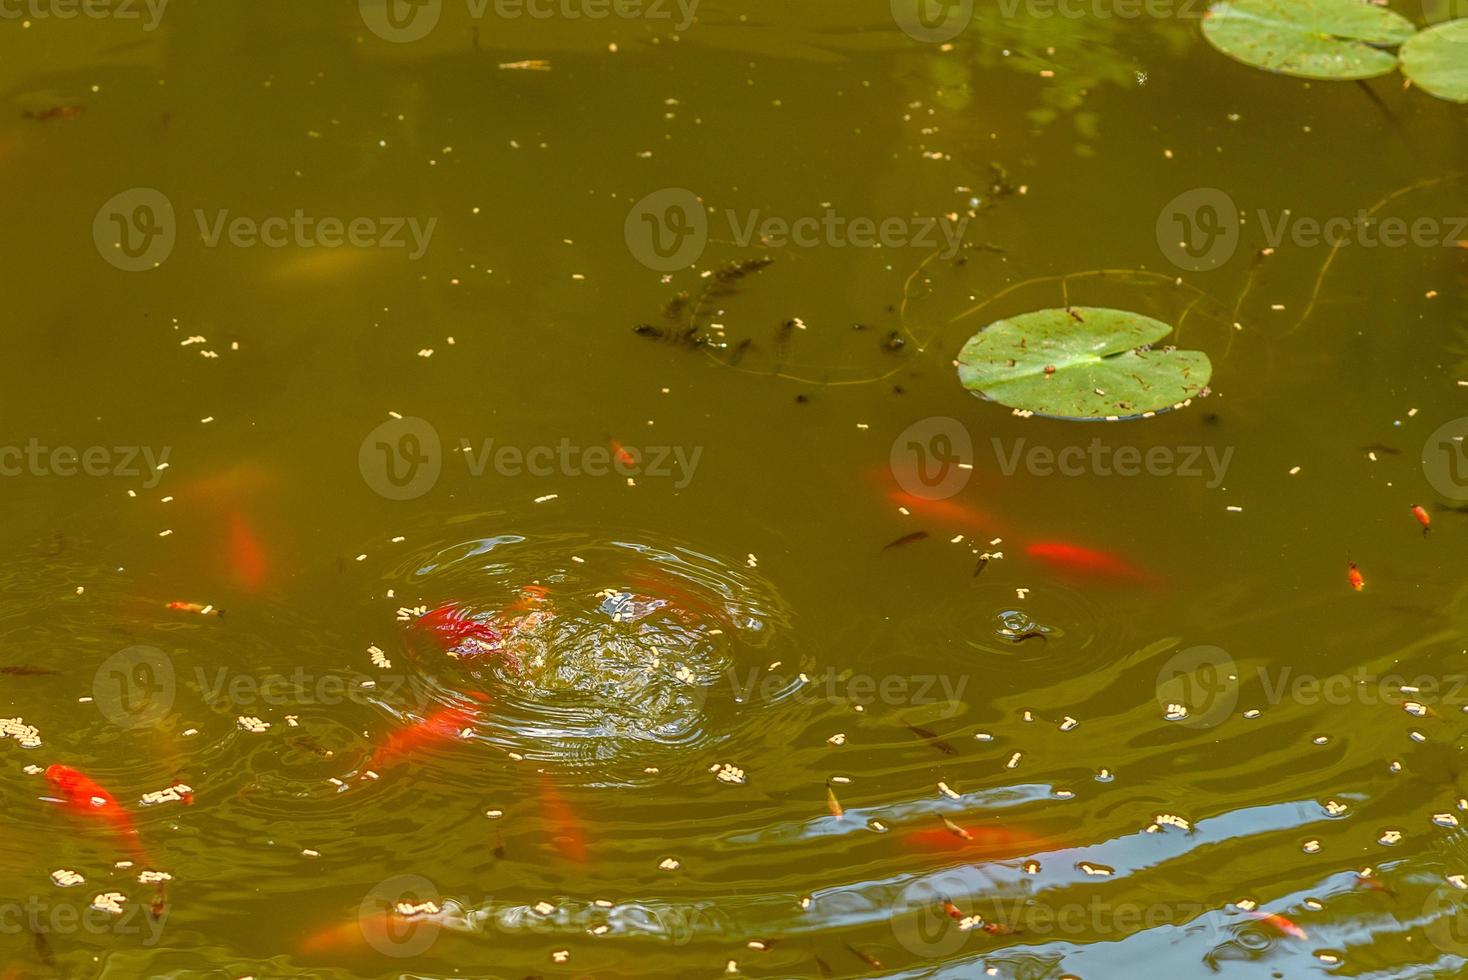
(109, 902)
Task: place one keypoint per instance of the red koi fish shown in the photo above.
(623, 455)
(442, 725)
(1078, 562)
(987, 842)
(566, 834)
(85, 796)
(458, 633)
(1423, 518)
(1357, 580)
(1280, 924)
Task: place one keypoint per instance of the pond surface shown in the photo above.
(459, 555)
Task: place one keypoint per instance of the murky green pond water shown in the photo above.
(487, 494)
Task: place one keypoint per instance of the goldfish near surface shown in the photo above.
(85, 796)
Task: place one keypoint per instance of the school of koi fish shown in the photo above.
(667, 632)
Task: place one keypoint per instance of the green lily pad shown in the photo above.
(1437, 60)
(1330, 39)
(1081, 363)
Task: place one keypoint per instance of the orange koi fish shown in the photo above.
(242, 481)
(1358, 581)
(1280, 924)
(833, 804)
(566, 833)
(948, 513)
(194, 607)
(85, 796)
(531, 597)
(246, 557)
(55, 112)
(1423, 518)
(440, 726)
(382, 930)
(1079, 562)
(988, 842)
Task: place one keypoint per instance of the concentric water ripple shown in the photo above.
(610, 657)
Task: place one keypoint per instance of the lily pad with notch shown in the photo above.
(1081, 363)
